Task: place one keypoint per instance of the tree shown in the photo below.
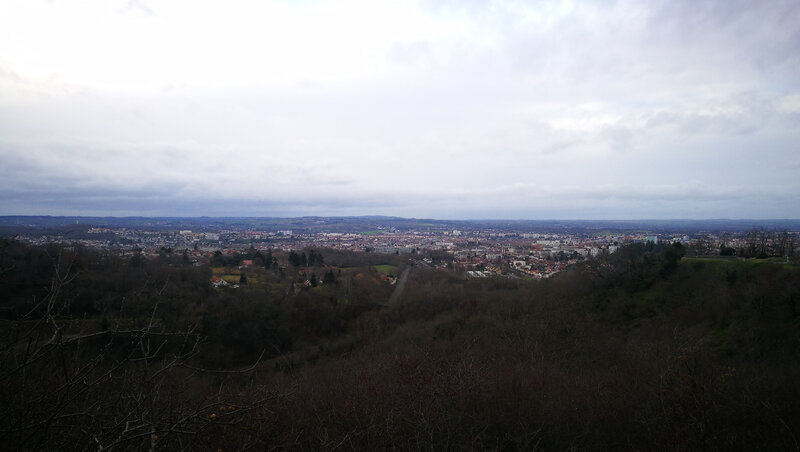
(218, 260)
(700, 248)
(116, 388)
(315, 259)
(781, 244)
(294, 259)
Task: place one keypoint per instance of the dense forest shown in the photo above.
(641, 349)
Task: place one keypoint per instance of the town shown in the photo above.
(479, 249)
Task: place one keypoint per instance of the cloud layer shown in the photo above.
(494, 109)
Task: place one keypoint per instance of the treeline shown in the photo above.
(261, 259)
(757, 243)
(314, 259)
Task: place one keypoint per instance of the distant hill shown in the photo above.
(10, 225)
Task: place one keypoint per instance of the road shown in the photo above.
(398, 289)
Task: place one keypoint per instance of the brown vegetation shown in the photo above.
(635, 351)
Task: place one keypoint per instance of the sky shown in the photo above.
(452, 109)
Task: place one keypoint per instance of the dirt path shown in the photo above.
(398, 289)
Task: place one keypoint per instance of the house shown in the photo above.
(219, 282)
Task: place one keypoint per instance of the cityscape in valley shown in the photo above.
(326, 225)
(536, 249)
(311, 332)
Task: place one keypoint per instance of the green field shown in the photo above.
(385, 269)
(232, 279)
(740, 260)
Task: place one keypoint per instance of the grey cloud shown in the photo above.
(737, 114)
(83, 168)
(766, 32)
(560, 145)
(612, 109)
(630, 202)
(694, 47)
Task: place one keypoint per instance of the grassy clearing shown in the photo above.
(226, 274)
(385, 269)
(739, 260)
(714, 259)
(370, 232)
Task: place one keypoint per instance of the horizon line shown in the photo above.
(389, 217)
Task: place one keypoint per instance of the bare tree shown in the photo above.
(66, 388)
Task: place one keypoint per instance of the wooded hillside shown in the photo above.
(641, 349)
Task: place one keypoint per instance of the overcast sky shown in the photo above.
(443, 109)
